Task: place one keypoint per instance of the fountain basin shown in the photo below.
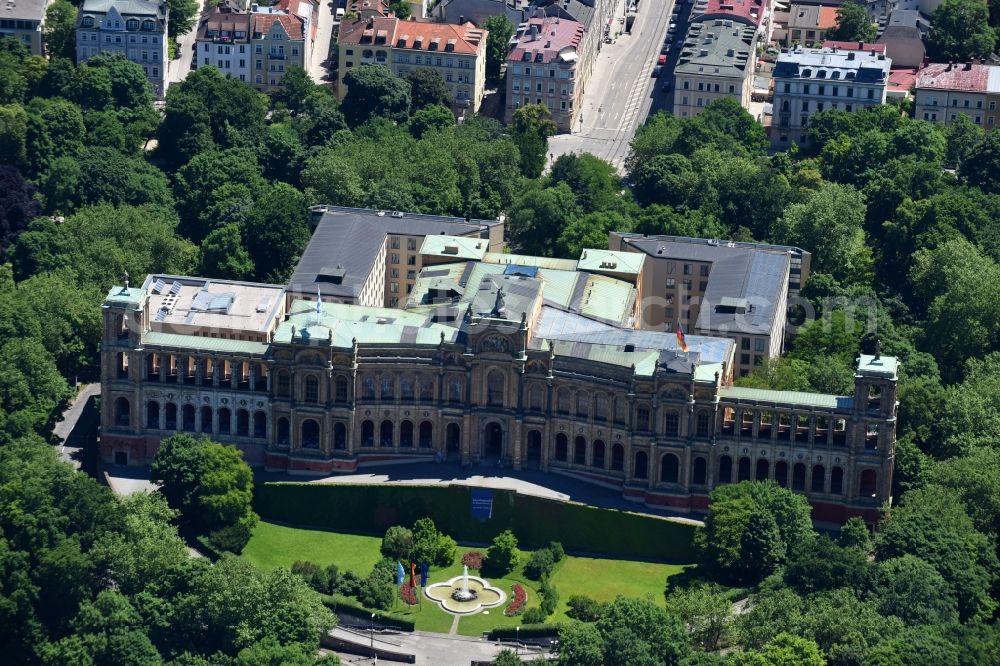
(485, 595)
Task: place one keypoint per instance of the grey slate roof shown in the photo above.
(130, 7)
(757, 279)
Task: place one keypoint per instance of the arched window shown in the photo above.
(495, 383)
(122, 414)
(225, 422)
(340, 390)
(868, 484)
(763, 467)
(206, 419)
(597, 458)
(426, 434)
(147, 24)
(799, 477)
(387, 389)
(367, 433)
(310, 434)
(242, 423)
(339, 436)
(781, 473)
(818, 479)
(639, 471)
(582, 405)
(368, 387)
(406, 388)
(837, 481)
(170, 417)
(562, 401)
(601, 407)
(725, 469)
(671, 423)
(455, 390)
(562, 447)
(260, 424)
(311, 389)
(132, 24)
(385, 433)
(669, 468)
(284, 387)
(153, 415)
(406, 433)
(699, 473)
(618, 458)
(580, 451)
(283, 431)
(187, 416)
(744, 470)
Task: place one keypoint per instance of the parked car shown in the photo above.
(666, 49)
(657, 71)
(662, 60)
(665, 86)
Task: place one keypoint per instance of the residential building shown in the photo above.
(595, 16)
(805, 24)
(223, 41)
(727, 289)
(477, 11)
(23, 20)
(945, 90)
(903, 38)
(544, 67)
(456, 52)
(137, 29)
(366, 8)
(522, 378)
(372, 258)
(811, 80)
(716, 61)
(281, 36)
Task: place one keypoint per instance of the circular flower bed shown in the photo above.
(518, 599)
(408, 594)
(473, 559)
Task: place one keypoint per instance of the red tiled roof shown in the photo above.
(968, 77)
(902, 78)
(854, 46)
(750, 10)
(292, 24)
(413, 35)
(827, 17)
(552, 35)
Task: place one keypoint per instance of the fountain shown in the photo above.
(465, 594)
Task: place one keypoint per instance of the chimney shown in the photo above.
(534, 31)
(461, 19)
(850, 55)
(968, 66)
(951, 63)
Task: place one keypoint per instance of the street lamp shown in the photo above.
(517, 640)
(372, 634)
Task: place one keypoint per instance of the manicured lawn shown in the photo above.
(278, 546)
(602, 579)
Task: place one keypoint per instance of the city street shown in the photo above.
(179, 68)
(321, 47)
(620, 91)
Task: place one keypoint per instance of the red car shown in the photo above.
(662, 60)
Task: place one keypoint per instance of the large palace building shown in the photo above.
(532, 362)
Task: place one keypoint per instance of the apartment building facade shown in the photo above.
(716, 61)
(456, 52)
(281, 36)
(23, 20)
(544, 67)
(136, 29)
(807, 81)
(223, 41)
(943, 91)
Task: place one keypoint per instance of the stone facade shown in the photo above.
(137, 29)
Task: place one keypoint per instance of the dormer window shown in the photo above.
(148, 25)
(132, 24)
(87, 22)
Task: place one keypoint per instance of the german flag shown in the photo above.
(681, 342)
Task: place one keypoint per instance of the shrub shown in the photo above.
(534, 615)
(431, 546)
(408, 594)
(312, 574)
(397, 543)
(557, 550)
(539, 564)
(503, 556)
(584, 608)
(346, 606)
(349, 584)
(473, 559)
(549, 595)
(378, 589)
(518, 599)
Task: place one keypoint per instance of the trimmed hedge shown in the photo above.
(536, 521)
(348, 606)
(527, 631)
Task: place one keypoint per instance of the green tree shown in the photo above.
(497, 43)
(222, 255)
(782, 650)
(13, 134)
(580, 644)
(706, 611)
(17, 204)
(590, 231)
(431, 546)
(296, 86)
(532, 127)
(538, 217)
(60, 29)
(31, 388)
(282, 154)
(502, 557)
(397, 543)
(639, 633)
(855, 534)
(821, 564)
(507, 657)
(427, 88)
(430, 118)
(975, 478)
(913, 591)
(183, 14)
(963, 136)
(200, 178)
(854, 24)
(960, 30)
(981, 163)
(277, 232)
(372, 90)
(130, 88)
(55, 129)
(320, 118)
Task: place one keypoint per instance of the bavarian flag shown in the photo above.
(681, 342)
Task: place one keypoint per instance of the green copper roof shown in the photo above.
(458, 247)
(610, 261)
(882, 365)
(197, 343)
(341, 324)
(124, 295)
(792, 398)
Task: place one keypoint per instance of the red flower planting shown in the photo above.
(516, 604)
(408, 594)
(473, 559)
